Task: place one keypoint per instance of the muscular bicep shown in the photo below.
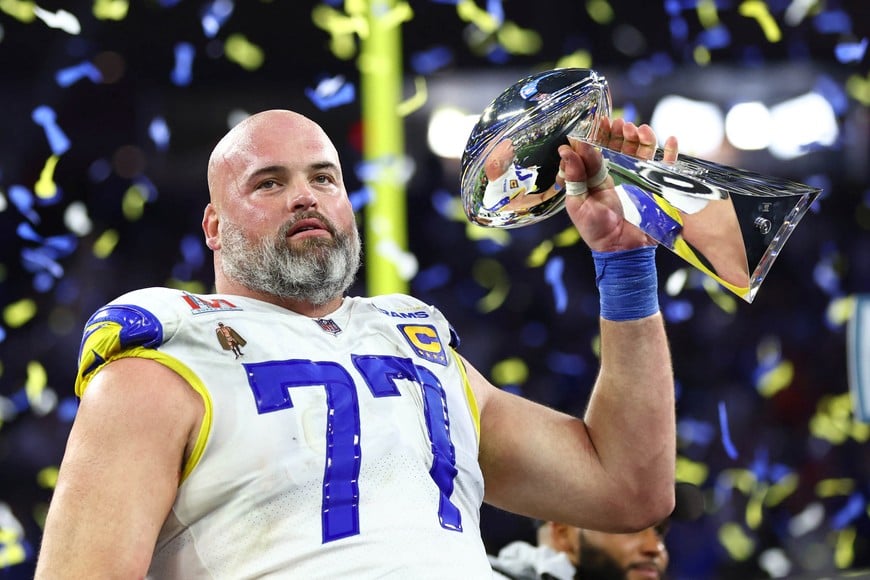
(538, 461)
(120, 470)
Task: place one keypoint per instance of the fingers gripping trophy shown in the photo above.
(729, 223)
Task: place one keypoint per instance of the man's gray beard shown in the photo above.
(316, 270)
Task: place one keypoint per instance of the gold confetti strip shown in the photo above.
(858, 88)
(577, 59)
(133, 202)
(37, 379)
(776, 379)
(844, 551)
(413, 103)
(600, 11)
(754, 507)
(782, 489)
(517, 40)
(738, 544)
(244, 53)
(722, 299)
(105, 244)
(511, 371)
(22, 11)
(19, 313)
(708, 15)
(491, 275)
(538, 256)
(47, 477)
(45, 187)
(111, 9)
(468, 11)
(567, 237)
(758, 10)
(835, 487)
(690, 471)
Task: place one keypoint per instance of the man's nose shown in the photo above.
(651, 542)
(301, 197)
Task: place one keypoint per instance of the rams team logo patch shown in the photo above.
(423, 338)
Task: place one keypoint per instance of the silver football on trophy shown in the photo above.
(520, 132)
(728, 223)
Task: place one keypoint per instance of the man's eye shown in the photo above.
(267, 184)
(323, 178)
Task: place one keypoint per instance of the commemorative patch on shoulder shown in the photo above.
(424, 340)
(202, 305)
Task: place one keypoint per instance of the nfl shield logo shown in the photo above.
(328, 325)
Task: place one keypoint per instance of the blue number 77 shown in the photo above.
(271, 383)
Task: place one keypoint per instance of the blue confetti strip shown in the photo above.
(678, 310)
(443, 200)
(834, 93)
(759, 465)
(45, 117)
(192, 250)
(215, 15)
(553, 274)
(182, 72)
(37, 260)
(833, 22)
(569, 364)
(726, 435)
(23, 199)
(853, 509)
(361, 198)
(851, 51)
(694, 431)
(158, 130)
(25, 231)
(496, 10)
(331, 92)
(67, 409)
(431, 278)
(428, 61)
(71, 75)
(716, 37)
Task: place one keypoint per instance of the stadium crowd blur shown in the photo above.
(110, 109)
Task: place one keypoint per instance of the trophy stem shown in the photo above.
(730, 223)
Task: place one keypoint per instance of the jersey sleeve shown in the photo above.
(122, 328)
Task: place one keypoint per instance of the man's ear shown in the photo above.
(561, 537)
(210, 228)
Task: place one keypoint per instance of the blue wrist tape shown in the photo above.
(627, 283)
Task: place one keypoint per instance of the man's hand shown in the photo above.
(598, 214)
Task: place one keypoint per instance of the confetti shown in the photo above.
(214, 16)
(116, 176)
(331, 92)
(45, 117)
(553, 271)
(429, 61)
(726, 434)
(85, 70)
(851, 51)
(61, 20)
(159, 132)
(181, 74)
(854, 508)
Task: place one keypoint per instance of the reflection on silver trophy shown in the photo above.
(727, 222)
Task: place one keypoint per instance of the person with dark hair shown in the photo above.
(351, 440)
(566, 552)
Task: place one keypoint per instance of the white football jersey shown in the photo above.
(341, 447)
